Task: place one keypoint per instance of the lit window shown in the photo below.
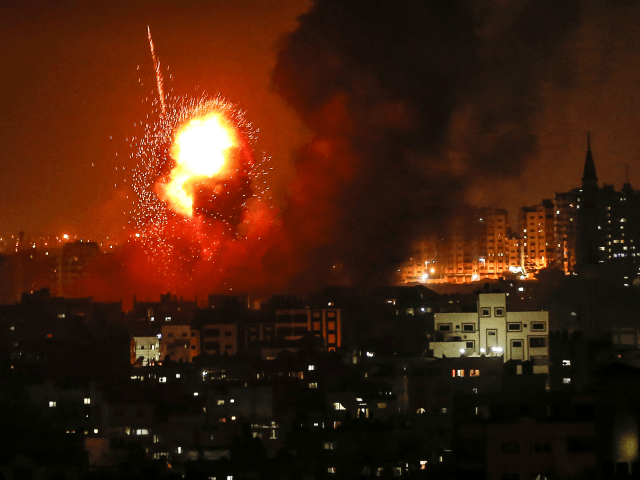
(313, 385)
(162, 379)
(87, 401)
(52, 404)
(220, 402)
(312, 367)
(566, 363)
(338, 406)
(566, 380)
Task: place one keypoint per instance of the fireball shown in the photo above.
(200, 150)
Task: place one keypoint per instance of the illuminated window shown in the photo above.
(52, 404)
(474, 373)
(566, 363)
(338, 406)
(87, 401)
(313, 385)
(566, 380)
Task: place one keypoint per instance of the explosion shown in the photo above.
(194, 183)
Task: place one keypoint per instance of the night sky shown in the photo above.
(379, 117)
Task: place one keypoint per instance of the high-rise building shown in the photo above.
(596, 225)
(537, 234)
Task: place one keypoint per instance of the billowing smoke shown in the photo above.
(414, 105)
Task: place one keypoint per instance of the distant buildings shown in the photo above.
(587, 226)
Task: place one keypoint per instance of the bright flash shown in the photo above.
(199, 150)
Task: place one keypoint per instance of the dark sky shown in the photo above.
(509, 90)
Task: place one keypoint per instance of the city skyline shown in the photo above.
(379, 121)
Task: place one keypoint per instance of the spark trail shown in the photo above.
(156, 68)
(202, 204)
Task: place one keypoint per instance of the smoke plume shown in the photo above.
(413, 106)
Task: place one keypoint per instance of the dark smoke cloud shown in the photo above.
(412, 104)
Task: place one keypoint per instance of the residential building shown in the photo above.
(494, 331)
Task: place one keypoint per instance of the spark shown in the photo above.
(156, 68)
(195, 180)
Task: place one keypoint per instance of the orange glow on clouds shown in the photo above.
(199, 150)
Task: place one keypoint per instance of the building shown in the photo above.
(537, 233)
(597, 225)
(145, 350)
(494, 331)
(179, 343)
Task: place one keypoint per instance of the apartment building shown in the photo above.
(494, 331)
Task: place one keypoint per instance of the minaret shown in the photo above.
(589, 177)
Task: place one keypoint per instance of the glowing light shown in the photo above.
(462, 350)
(199, 151)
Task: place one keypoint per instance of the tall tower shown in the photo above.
(589, 177)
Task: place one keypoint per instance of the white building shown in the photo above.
(145, 347)
(493, 331)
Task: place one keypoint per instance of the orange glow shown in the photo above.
(199, 150)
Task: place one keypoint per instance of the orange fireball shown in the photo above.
(200, 150)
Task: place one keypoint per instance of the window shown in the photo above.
(537, 342)
(329, 445)
(474, 373)
(162, 380)
(142, 431)
(52, 404)
(313, 385)
(331, 338)
(382, 405)
(541, 447)
(331, 325)
(566, 363)
(338, 406)
(485, 312)
(87, 401)
(444, 327)
(510, 447)
(540, 327)
(468, 327)
(331, 314)
(514, 327)
(566, 380)
(470, 345)
(316, 326)
(517, 344)
(499, 311)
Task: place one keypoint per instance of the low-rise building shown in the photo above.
(493, 331)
